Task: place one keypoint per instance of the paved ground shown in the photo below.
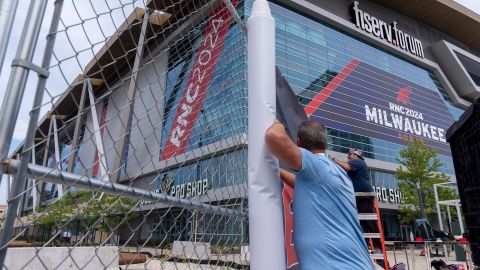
(157, 264)
(413, 262)
(417, 262)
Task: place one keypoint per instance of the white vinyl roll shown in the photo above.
(267, 250)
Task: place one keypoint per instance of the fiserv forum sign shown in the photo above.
(389, 32)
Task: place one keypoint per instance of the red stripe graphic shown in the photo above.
(287, 195)
(198, 82)
(328, 90)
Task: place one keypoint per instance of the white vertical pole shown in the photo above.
(449, 219)
(9, 181)
(98, 134)
(34, 184)
(437, 205)
(267, 250)
(56, 146)
(440, 221)
(459, 214)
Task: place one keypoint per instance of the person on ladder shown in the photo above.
(357, 170)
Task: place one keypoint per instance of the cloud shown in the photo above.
(470, 4)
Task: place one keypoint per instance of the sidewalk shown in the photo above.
(417, 262)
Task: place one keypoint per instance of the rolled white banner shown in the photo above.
(264, 190)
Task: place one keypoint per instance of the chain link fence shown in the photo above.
(139, 157)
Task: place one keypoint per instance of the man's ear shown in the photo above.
(299, 143)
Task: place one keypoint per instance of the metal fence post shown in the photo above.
(7, 14)
(18, 77)
(36, 12)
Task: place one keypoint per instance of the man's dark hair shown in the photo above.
(312, 135)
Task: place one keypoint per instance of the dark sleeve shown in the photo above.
(356, 164)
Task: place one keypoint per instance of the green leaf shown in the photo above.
(419, 166)
(105, 213)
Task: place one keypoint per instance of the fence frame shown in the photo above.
(7, 14)
(25, 168)
(12, 101)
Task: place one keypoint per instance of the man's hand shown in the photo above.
(342, 164)
(281, 146)
(287, 177)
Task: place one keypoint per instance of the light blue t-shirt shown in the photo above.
(326, 230)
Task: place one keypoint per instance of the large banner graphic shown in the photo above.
(198, 82)
(368, 101)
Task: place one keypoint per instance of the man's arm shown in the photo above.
(340, 163)
(287, 177)
(282, 146)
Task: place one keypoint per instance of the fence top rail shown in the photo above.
(64, 178)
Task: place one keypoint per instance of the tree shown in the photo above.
(417, 174)
(88, 207)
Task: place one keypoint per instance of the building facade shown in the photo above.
(384, 73)
(318, 41)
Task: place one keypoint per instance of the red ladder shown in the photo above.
(374, 235)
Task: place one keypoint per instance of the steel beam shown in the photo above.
(78, 127)
(35, 183)
(97, 133)
(126, 114)
(58, 159)
(236, 17)
(44, 163)
(8, 8)
(31, 187)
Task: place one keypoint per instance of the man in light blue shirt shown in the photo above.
(326, 230)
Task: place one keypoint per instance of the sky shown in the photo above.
(77, 48)
(471, 4)
(74, 48)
